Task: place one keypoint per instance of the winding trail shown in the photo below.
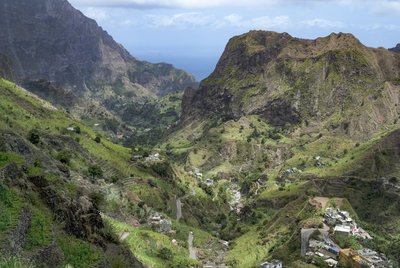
(179, 203)
(192, 251)
(178, 209)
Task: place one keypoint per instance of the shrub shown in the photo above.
(34, 136)
(165, 253)
(64, 157)
(163, 169)
(96, 198)
(77, 130)
(95, 171)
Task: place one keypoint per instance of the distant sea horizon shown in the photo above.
(200, 67)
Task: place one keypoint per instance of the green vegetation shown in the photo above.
(15, 262)
(34, 136)
(304, 127)
(40, 232)
(79, 253)
(11, 208)
(152, 248)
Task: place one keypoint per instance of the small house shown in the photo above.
(342, 230)
(272, 264)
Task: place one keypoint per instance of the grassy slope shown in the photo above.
(20, 112)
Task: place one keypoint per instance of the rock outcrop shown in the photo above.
(80, 217)
(395, 49)
(288, 81)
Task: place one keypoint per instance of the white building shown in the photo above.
(272, 264)
(342, 230)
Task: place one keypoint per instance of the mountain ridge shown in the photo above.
(396, 48)
(74, 51)
(289, 80)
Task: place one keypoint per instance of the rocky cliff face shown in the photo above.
(5, 68)
(50, 40)
(289, 80)
(395, 49)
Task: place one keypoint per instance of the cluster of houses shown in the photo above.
(199, 176)
(325, 249)
(363, 258)
(332, 255)
(343, 224)
(163, 225)
(153, 158)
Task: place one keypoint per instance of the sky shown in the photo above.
(192, 34)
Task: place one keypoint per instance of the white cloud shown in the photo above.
(182, 20)
(265, 22)
(169, 3)
(196, 19)
(378, 6)
(323, 23)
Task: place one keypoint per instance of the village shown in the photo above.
(321, 244)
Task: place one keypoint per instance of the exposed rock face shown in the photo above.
(396, 49)
(51, 256)
(51, 40)
(288, 80)
(81, 217)
(5, 68)
(11, 142)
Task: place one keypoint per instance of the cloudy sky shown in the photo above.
(191, 34)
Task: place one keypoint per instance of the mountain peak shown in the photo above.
(396, 49)
(287, 80)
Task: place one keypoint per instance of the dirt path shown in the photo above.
(179, 203)
(323, 201)
(178, 209)
(192, 251)
(124, 235)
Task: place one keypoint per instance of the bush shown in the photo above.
(347, 242)
(165, 254)
(77, 130)
(97, 139)
(96, 198)
(34, 136)
(95, 171)
(163, 169)
(64, 157)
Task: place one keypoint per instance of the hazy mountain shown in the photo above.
(51, 40)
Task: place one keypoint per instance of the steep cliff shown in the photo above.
(288, 81)
(51, 40)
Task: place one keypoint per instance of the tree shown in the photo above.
(34, 136)
(97, 139)
(394, 251)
